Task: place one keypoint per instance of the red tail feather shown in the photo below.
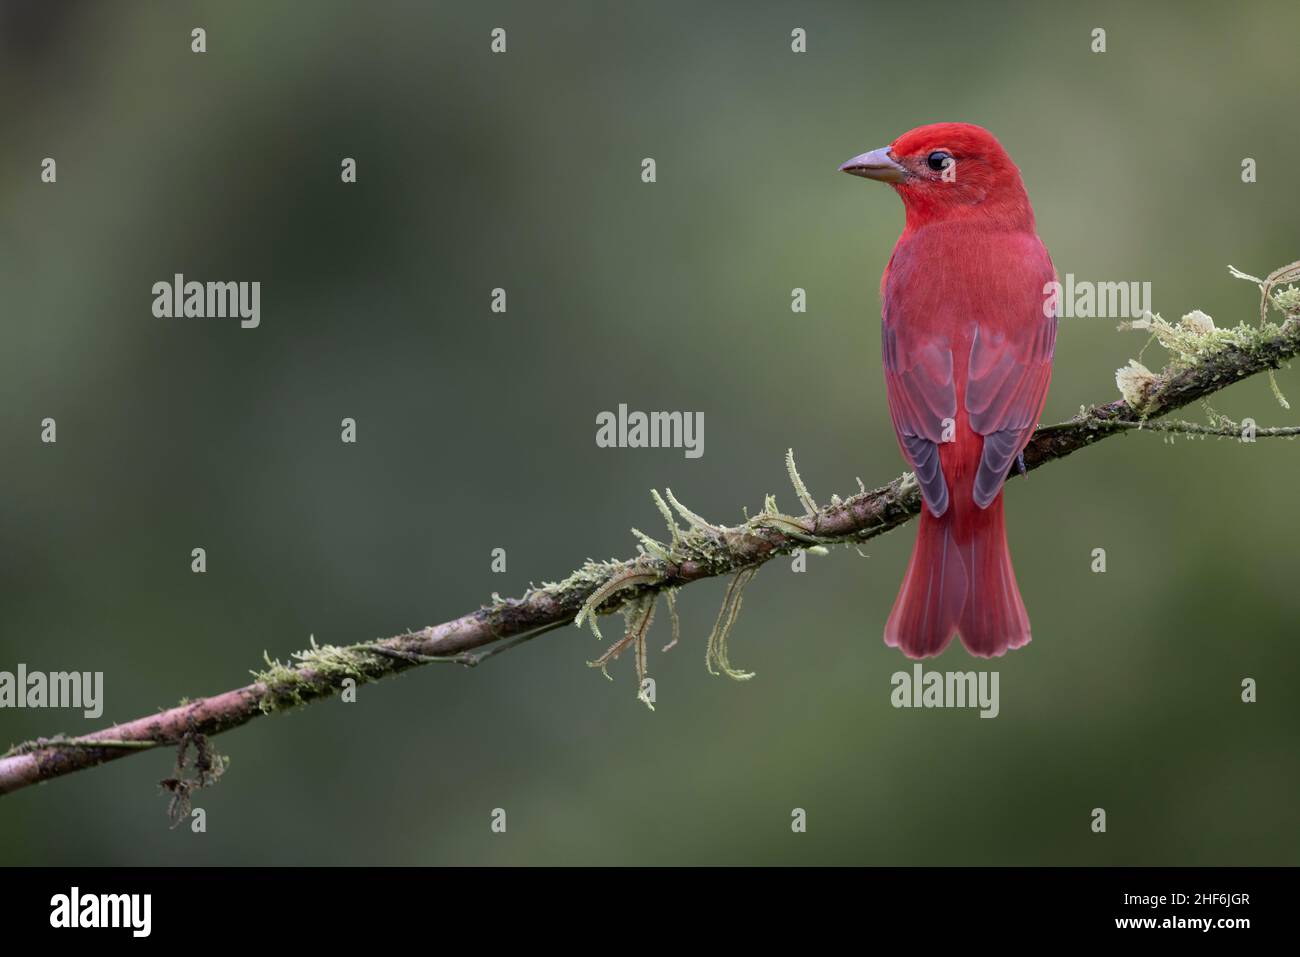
(959, 581)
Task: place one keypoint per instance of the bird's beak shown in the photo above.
(877, 165)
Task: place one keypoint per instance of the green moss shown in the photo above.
(1287, 302)
(317, 671)
(1195, 339)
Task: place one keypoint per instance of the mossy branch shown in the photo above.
(1203, 361)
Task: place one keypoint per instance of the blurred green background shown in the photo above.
(476, 430)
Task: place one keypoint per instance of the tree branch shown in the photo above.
(701, 550)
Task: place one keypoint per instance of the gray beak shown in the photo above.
(877, 165)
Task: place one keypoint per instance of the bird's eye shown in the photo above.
(938, 160)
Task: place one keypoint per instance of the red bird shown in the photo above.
(967, 343)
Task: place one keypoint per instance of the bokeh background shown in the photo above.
(476, 430)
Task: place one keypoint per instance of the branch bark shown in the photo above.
(700, 551)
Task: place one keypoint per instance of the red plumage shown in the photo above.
(967, 346)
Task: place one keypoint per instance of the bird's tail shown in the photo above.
(959, 581)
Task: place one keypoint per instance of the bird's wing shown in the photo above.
(921, 392)
(1009, 370)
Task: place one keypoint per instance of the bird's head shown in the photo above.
(949, 171)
